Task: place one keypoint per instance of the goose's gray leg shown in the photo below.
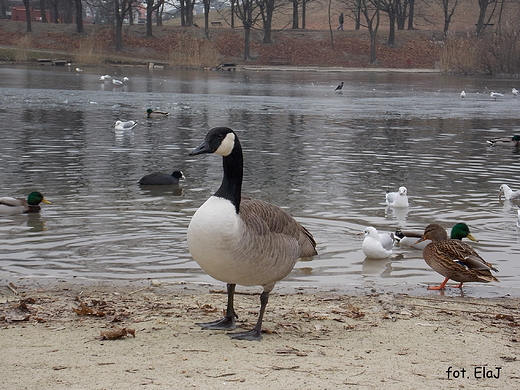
(254, 334)
(228, 322)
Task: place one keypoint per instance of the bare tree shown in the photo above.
(367, 12)
(295, 21)
(245, 10)
(79, 16)
(486, 11)
(266, 9)
(391, 8)
(151, 7)
(121, 9)
(448, 9)
(27, 4)
(207, 7)
(42, 10)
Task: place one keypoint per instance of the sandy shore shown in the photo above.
(50, 338)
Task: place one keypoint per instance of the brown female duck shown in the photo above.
(454, 259)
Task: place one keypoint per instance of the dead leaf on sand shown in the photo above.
(117, 333)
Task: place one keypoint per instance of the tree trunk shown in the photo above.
(304, 13)
(268, 20)
(149, 13)
(411, 13)
(207, 4)
(391, 31)
(42, 10)
(295, 14)
(79, 17)
(27, 4)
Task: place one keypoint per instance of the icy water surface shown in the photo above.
(326, 157)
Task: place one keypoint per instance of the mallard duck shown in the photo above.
(9, 205)
(122, 125)
(409, 237)
(160, 178)
(242, 240)
(515, 139)
(375, 245)
(454, 259)
(508, 193)
(397, 199)
(152, 113)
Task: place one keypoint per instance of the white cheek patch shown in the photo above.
(227, 145)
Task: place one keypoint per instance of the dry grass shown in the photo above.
(90, 52)
(21, 54)
(192, 52)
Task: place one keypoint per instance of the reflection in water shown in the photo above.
(327, 158)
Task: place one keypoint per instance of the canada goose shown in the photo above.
(409, 237)
(122, 125)
(515, 139)
(11, 206)
(160, 178)
(508, 193)
(454, 259)
(340, 86)
(376, 245)
(241, 240)
(397, 199)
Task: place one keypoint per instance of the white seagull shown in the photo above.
(515, 92)
(463, 95)
(508, 193)
(397, 199)
(117, 82)
(496, 95)
(128, 125)
(375, 245)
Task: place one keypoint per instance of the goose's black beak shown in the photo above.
(204, 147)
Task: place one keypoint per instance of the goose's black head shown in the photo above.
(219, 140)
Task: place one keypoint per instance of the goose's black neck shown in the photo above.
(231, 187)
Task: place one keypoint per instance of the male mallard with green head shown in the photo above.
(9, 205)
(154, 113)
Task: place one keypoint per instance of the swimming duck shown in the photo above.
(242, 240)
(340, 86)
(160, 178)
(11, 206)
(397, 199)
(409, 237)
(122, 125)
(454, 259)
(375, 245)
(151, 113)
(515, 139)
(508, 193)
